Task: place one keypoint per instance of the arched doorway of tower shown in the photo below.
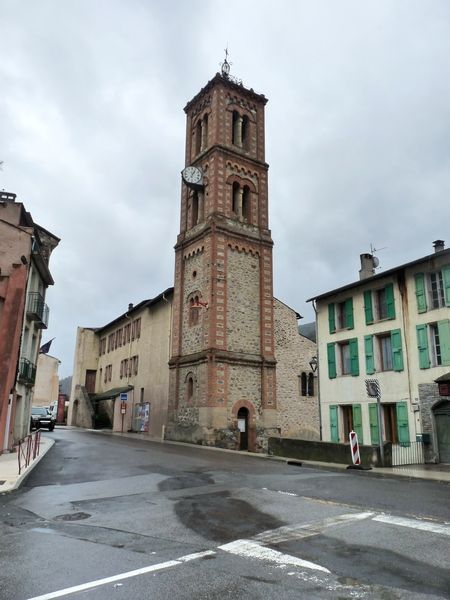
(441, 414)
(243, 421)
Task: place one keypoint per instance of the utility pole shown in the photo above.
(374, 391)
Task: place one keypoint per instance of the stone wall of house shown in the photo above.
(243, 302)
(428, 397)
(298, 416)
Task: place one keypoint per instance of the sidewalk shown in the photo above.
(9, 467)
(11, 480)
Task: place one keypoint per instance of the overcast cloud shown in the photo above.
(92, 135)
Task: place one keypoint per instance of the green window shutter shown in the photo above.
(354, 358)
(446, 281)
(332, 317)
(421, 295)
(331, 355)
(373, 420)
(402, 422)
(397, 353)
(357, 422)
(422, 345)
(368, 307)
(349, 313)
(390, 303)
(444, 340)
(368, 350)
(334, 430)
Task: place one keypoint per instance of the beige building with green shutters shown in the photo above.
(393, 327)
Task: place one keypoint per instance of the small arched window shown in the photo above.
(245, 132)
(194, 209)
(190, 388)
(303, 384)
(198, 137)
(310, 384)
(236, 198)
(204, 144)
(246, 203)
(235, 132)
(194, 311)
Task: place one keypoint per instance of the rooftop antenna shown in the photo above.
(376, 261)
(225, 65)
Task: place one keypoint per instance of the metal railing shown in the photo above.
(407, 453)
(27, 371)
(37, 310)
(28, 449)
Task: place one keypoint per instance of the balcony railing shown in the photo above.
(27, 371)
(37, 310)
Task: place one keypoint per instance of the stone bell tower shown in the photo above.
(222, 366)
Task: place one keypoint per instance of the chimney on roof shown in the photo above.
(367, 266)
(130, 306)
(7, 196)
(438, 245)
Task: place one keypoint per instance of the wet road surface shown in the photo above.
(105, 517)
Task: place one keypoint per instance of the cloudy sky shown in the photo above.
(92, 136)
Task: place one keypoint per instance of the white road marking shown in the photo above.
(414, 524)
(104, 581)
(250, 549)
(286, 533)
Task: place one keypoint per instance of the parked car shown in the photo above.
(41, 418)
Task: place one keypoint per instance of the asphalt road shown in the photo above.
(103, 517)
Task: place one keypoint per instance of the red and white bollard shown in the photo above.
(354, 448)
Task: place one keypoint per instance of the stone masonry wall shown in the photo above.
(298, 416)
(428, 397)
(195, 280)
(243, 306)
(244, 384)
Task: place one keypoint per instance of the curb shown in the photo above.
(20, 479)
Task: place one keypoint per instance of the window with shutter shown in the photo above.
(368, 350)
(334, 430)
(390, 302)
(349, 313)
(444, 340)
(368, 308)
(354, 358)
(420, 292)
(357, 422)
(385, 352)
(373, 421)
(446, 281)
(402, 423)
(422, 345)
(331, 356)
(331, 317)
(397, 353)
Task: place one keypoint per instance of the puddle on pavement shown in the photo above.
(221, 518)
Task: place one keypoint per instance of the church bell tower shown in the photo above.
(222, 365)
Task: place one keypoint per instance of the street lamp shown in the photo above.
(313, 364)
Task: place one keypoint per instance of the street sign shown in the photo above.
(374, 391)
(123, 396)
(373, 388)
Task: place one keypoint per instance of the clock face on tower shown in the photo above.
(192, 176)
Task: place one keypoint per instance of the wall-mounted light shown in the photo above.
(313, 364)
